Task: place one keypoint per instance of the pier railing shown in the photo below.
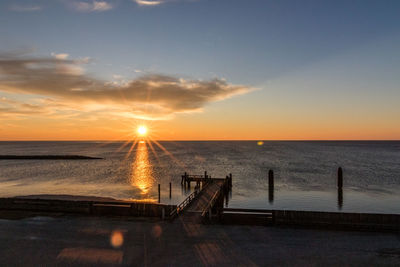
(184, 203)
(211, 204)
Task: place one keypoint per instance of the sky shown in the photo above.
(200, 70)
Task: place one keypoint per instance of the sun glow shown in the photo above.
(141, 141)
(142, 130)
(142, 177)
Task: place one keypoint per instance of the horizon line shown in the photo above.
(206, 140)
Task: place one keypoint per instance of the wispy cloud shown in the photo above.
(25, 8)
(148, 2)
(60, 55)
(94, 6)
(152, 96)
(158, 2)
(11, 107)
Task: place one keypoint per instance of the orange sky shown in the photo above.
(282, 72)
(198, 127)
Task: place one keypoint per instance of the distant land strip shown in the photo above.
(45, 157)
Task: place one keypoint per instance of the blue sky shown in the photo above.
(247, 41)
(300, 55)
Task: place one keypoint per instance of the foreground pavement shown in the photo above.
(91, 241)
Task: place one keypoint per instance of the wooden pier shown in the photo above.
(206, 201)
(200, 180)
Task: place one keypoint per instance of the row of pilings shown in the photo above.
(185, 182)
(271, 182)
(159, 192)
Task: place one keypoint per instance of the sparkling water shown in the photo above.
(305, 172)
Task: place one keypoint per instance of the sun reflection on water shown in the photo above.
(142, 176)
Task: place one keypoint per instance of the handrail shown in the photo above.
(201, 177)
(211, 203)
(195, 176)
(213, 200)
(185, 203)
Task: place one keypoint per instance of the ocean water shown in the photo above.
(305, 172)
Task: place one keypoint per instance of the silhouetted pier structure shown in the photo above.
(198, 179)
(207, 200)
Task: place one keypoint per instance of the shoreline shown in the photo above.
(47, 157)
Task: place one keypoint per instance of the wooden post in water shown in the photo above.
(340, 198)
(205, 174)
(230, 179)
(159, 193)
(271, 178)
(271, 186)
(340, 178)
(170, 190)
(340, 187)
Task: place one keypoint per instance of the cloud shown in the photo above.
(151, 96)
(10, 107)
(94, 6)
(117, 76)
(25, 8)
(157, 2)
(60, 56)
(148, 2)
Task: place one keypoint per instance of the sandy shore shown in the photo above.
(91, 241)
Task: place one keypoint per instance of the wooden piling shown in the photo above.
(170, 190)
(159, 193)
(340, 198)
(340, 178)
(271, 186)
(271, 178)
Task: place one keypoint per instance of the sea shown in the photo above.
(305, 172)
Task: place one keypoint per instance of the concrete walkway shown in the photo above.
(91, 241)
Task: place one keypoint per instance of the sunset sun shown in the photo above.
(142, 130)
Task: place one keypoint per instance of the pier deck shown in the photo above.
(206, 196)
(201, 204)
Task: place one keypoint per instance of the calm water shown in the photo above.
(305, 172)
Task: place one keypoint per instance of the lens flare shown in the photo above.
(116, 239)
